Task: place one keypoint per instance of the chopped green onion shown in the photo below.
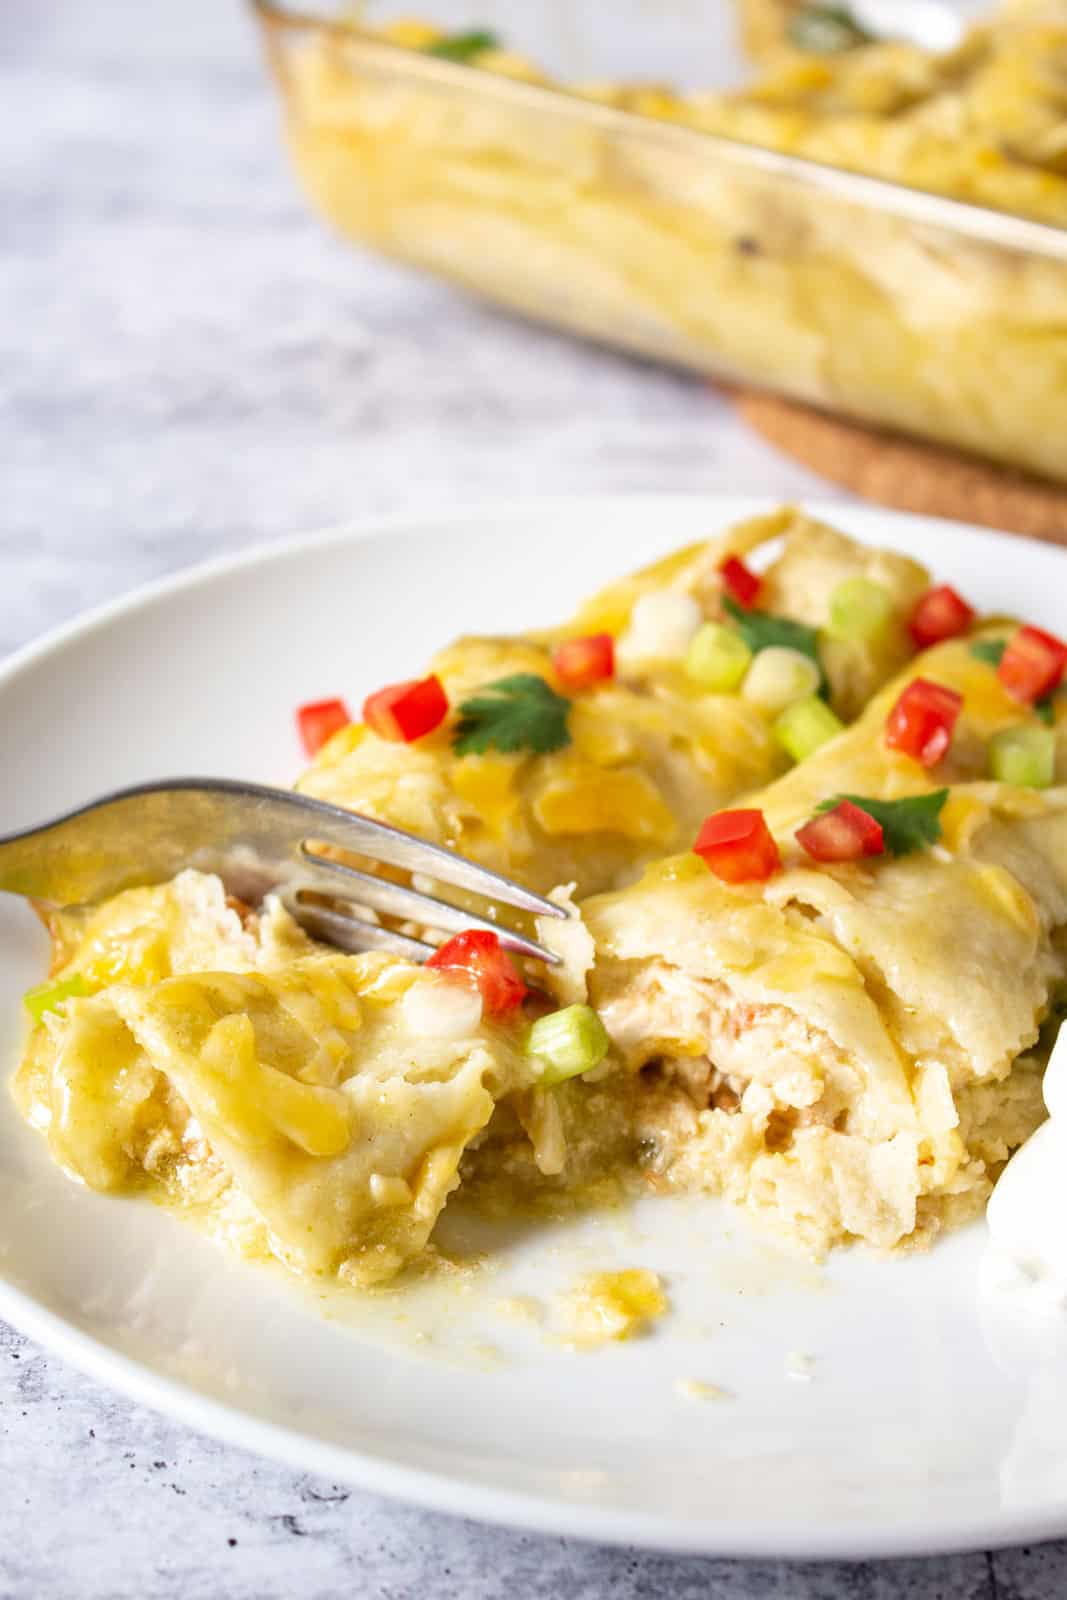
(718, 657)
(803, 727)
(662, 624)
(778, 677)
(48, 996)
(1023, 756)
(463, 46)
(859, 609)
(570, 1041)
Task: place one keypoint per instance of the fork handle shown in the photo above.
(140, 836)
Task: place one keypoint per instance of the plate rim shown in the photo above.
(841, 1540)
(431, 1488)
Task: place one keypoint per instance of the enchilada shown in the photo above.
(852, 1047)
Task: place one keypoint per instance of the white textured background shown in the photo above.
(188, 364)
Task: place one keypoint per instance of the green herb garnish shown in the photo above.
(989, 650)
(760, 630)
(463, 46)
(907, 825)
(826, 30)
(1046, 710)
(521, 712)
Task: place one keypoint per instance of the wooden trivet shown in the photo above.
(903, 473)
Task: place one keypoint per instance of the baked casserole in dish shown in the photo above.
(880, 230)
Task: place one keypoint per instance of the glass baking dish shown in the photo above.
(883, 302)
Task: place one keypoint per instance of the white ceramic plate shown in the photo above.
(874, 1407)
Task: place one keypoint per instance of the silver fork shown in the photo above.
(261, 841)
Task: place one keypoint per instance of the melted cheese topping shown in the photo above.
(610, 1306)
(651, 753)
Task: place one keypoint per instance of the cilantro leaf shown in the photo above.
(989, 650)
(826, 29)
(521, 712)
(907, 825)
(760, 630)
(1046, 710)
(463, 46)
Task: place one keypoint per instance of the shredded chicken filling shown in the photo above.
(731, 1056)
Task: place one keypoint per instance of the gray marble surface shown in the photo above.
(190, 364)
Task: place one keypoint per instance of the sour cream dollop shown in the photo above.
(1027, 1211)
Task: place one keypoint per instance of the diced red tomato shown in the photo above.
(319, 722)
(940, 614)
(921, 722)
(843, 834)
(740, 582)
(738, 846)
(478, 957)
(404, 712)
(1032, 665)
(579, 662)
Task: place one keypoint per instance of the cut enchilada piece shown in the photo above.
(647, 751)
(846, 1050)
(307, 1106)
